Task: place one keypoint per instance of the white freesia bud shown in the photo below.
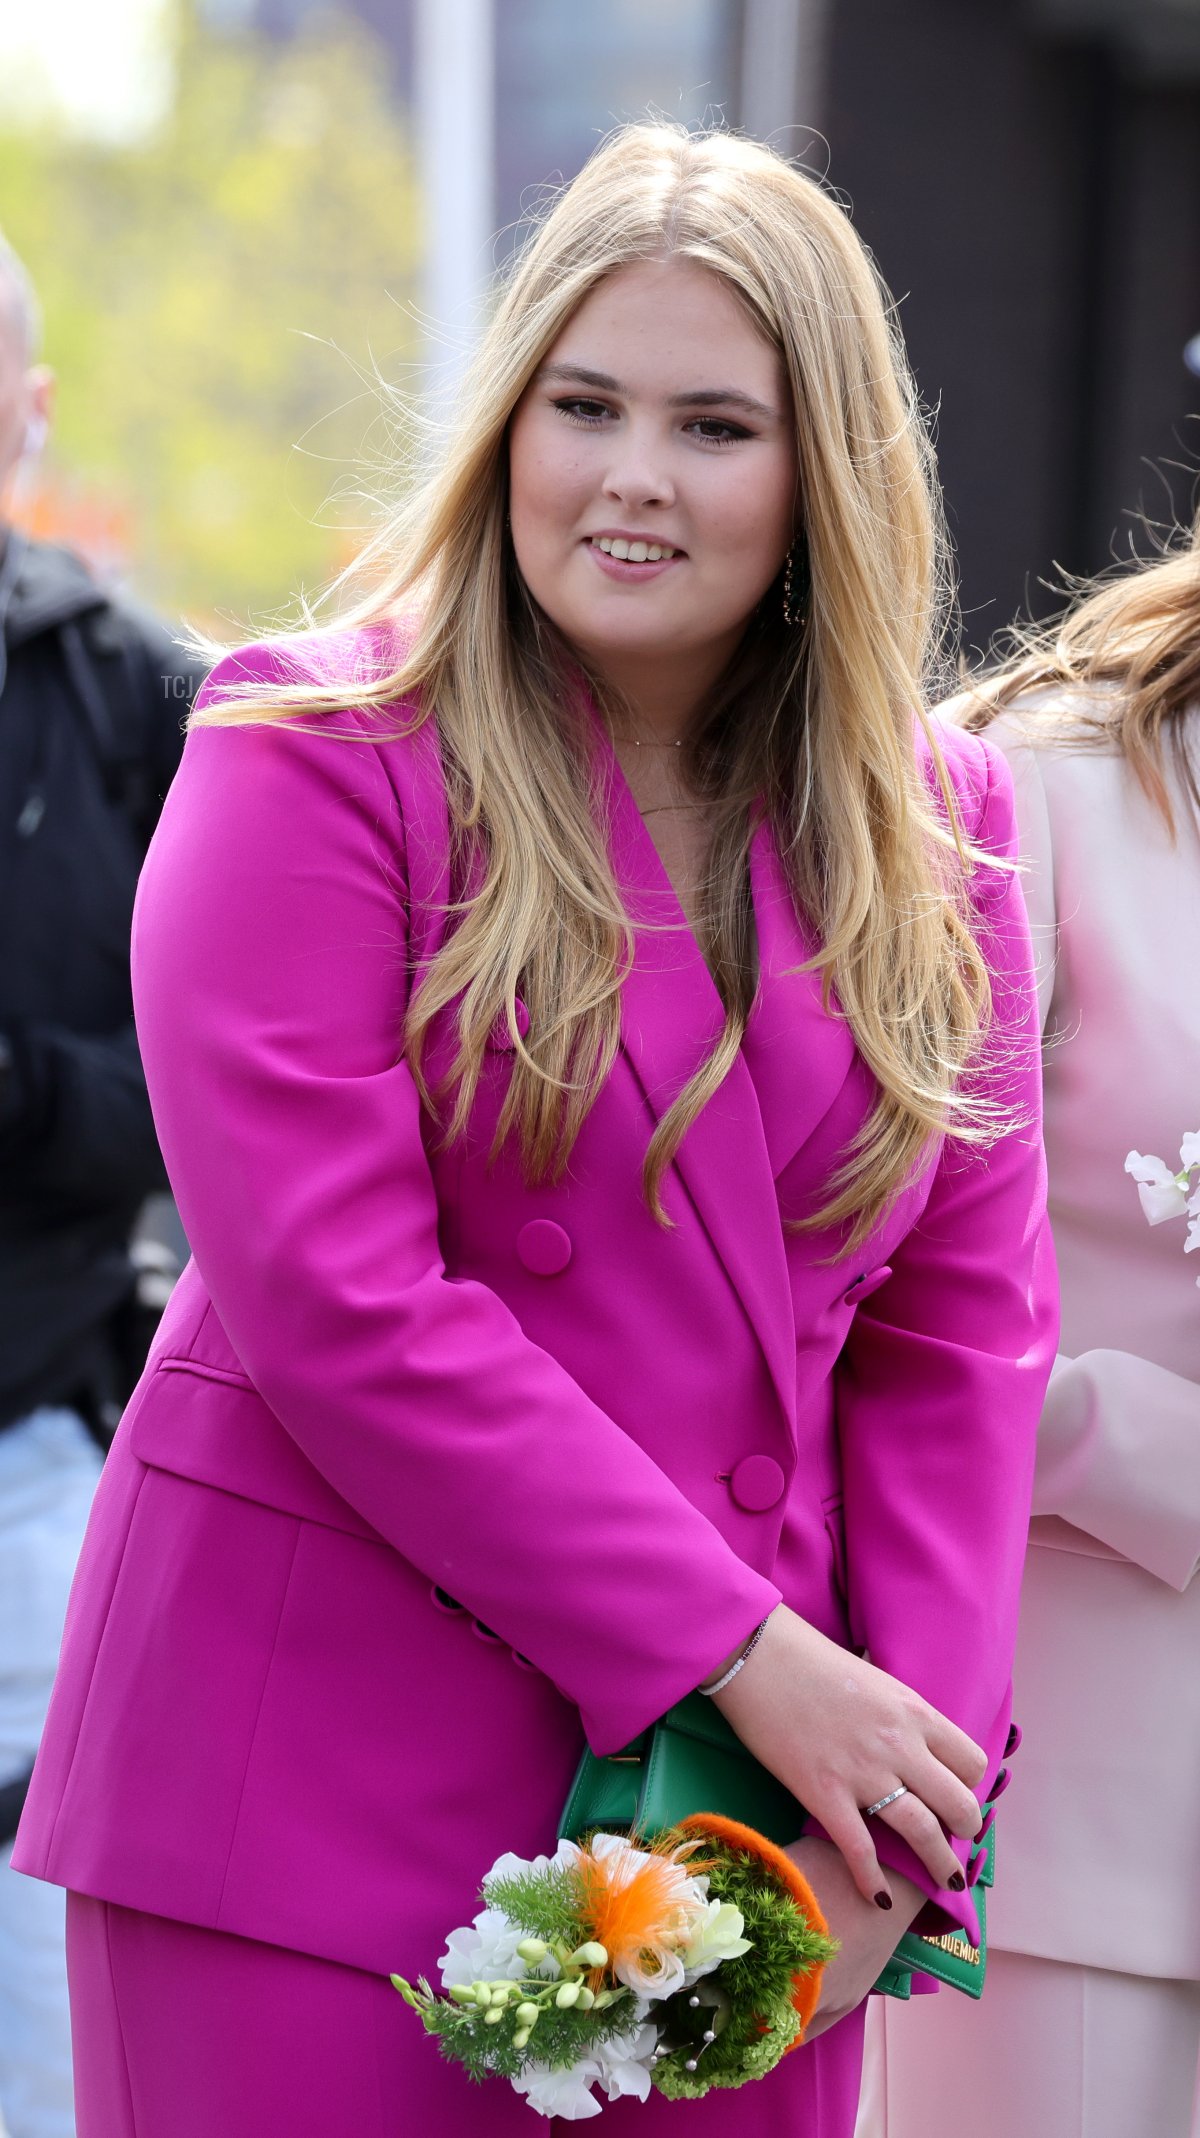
(483, 1994)
(586, 1998)
(592, 1954)
(567, 1995)
(533, 1950)
(527, 2015)
(521, 2037)
(463, 1993)
(493, 2017)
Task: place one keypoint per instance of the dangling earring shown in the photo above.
(795, 584)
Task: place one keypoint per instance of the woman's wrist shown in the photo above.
(735, 1661)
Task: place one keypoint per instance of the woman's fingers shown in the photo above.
(948, 1799)
(916, 1824)
(954, 1748)
(847, 1830)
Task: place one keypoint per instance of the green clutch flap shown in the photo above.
(692, 1761)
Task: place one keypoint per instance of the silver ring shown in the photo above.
(871, 1809)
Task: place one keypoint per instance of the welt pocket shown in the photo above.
(210, 1425)
(228, 1376)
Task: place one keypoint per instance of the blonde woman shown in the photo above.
(592, 1034)
(1091, 2020)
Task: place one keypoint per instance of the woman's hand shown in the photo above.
(866, 1938)
(840, 1734)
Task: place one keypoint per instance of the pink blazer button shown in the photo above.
(756, 1483)
(544, 1247)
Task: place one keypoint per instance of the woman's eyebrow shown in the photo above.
(699, 397)
(724, 397)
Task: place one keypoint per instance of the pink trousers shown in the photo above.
(185, 2033)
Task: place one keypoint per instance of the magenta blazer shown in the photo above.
(428, 1464)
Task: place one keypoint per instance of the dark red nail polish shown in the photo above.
(958, 1883)
(883, 1900)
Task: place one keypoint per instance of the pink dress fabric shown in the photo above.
(185, 2033)
(432, 1471)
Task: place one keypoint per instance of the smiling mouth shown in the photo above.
(633, 552)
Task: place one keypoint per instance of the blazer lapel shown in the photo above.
(671, 1016)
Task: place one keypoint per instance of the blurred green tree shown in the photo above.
(217, 298)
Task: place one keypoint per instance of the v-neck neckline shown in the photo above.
(636, 845)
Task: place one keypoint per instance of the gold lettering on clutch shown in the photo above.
(954, 1943)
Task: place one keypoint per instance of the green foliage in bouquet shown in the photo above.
(752, 2015)
(466, 2038)
(546, 1902)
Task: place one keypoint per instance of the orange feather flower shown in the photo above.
(641, 1905)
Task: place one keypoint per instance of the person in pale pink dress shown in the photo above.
(1090, 2023)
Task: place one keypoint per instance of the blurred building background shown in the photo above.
(222, 287)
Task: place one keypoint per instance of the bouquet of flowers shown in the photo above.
(685, 1962)
(1165, 1195)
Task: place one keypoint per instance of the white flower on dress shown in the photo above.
(1164, 1194)
(1161, 1193)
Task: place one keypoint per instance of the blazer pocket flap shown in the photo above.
(206, 1425)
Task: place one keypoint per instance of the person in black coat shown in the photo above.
(93, 698)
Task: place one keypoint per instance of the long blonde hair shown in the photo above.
(1117, 669)
(818, 721)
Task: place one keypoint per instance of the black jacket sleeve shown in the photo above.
(75, 1120)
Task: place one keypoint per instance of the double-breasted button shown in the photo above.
(500, 1034)
(863, 1286)
(757, 1483)
(544, 1247)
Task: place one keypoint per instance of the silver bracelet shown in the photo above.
(731, 1673)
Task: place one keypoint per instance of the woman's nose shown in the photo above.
(637, 474)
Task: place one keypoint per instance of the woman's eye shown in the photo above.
(714, 430)
(586, 412)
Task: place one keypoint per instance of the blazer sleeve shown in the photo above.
(1118, 1437)
(942, 1380)
(270, 977)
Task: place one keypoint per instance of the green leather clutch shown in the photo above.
(691, 1761)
